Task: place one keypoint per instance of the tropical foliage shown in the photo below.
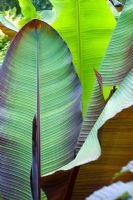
(55, 108)
(86, 38)
(40, 90)
(39, 5)
(4, 44)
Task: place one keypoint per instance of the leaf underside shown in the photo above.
(38, 46)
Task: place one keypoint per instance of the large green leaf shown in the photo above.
(38, 62)
(95, 108)
(86, 26)
(116, 64)
(122, 98)
(113, 68)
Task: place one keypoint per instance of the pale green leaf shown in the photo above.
(122, 98)
(48, 16)
(113, 68)
(37, 46)
(7, 23)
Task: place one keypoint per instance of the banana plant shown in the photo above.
(28, 13)
(33, 83)
(86, 26)
(16, 116)
(52, 90)
(116, 63)
(7, 27)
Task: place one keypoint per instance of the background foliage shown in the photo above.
(10, 4)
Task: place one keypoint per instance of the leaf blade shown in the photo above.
(60, 95)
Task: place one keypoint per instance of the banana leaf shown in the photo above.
(37, 74)
(117, 62)
(86, 26)
(48, 16)
(116, 143)
(121, 99)
(10, 29)
(111, 75)
(91, 142)
(7, 27)
(28, 11)
(97, 103)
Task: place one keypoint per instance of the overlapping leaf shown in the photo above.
(114, 10)
(86, 26)
(28, 11)
(122, 98)
(7, 27)
(47, 16)
(113, 68)
(96, 106)
(38, 48)
(111, 76)
(116, 64)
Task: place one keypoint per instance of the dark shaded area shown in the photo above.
(117, 150)
(55, 185)
(10, 4)
(35, 170)
(42, 4)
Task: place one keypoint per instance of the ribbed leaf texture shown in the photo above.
(86, 26)
(122, 98)
(38, 62)
(96, 106)
(113, 68)
(117, 62)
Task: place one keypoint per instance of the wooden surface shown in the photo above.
(117, 149)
